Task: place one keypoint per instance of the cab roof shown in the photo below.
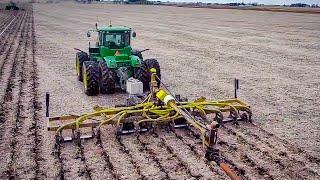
(114, 28)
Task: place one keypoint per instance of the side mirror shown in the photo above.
(88, 34)
(134, 34)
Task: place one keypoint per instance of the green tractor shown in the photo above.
(111, 62)
(12, 6)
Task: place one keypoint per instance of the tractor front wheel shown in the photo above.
(144, 75)
(80, 58)
(107, 82)
(90, 75)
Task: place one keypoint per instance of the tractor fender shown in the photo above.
(80, 50)
(135, 61)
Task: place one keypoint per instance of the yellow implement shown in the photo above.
(158, 108)
(149, 113)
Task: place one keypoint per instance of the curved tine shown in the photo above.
(85, 117)
(78, 138)
(98, 135)
(161, 118)
(59, 140)
(248, 112)
(219, 117)
(128, 112)
(234, 111)
(121, 117)
(108, 120)
(201, 110)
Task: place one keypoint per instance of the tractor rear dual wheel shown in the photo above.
(90, 75)
(107, 81)
(80, 58)
(144, 75)
(98, 77)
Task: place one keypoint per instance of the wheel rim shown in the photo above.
(84, 76)
(78, 66)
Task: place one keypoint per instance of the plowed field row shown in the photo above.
(178, 154)
(19, 129)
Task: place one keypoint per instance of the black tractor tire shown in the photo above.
(107, 80)
(80, 58)
(137, 53)
(143, 73)
(90, 74)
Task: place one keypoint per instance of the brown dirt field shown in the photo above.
(255, 8)
(275, 56)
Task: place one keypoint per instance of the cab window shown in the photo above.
(116, 40)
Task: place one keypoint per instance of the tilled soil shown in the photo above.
(19, 133)
(200, 52)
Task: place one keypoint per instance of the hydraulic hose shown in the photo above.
(229, 171)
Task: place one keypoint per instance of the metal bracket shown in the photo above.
(47, 104)
(236, 87)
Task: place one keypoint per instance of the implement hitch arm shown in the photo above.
(208, 133)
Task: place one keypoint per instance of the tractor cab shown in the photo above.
(115, 39)
(112, 41)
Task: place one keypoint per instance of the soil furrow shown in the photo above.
(8, 88)
(108, 164)
(36, 107)
(293, 168)
(195, 145)
(97, 163)
(22, 160)
(28, 157)
(152, 155)
(10, 40)
(12, 29)
(59, 162)
(172, 165)
(271, 164)
(195, 166)
(149, 166)
(73, 167)
(5, 22)
(242, 162)
(86, 171)
(228, 154)
(8, 60)
(279, 146)
(118, 161)
(14, 115)
(268, 166)
(131, 159)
